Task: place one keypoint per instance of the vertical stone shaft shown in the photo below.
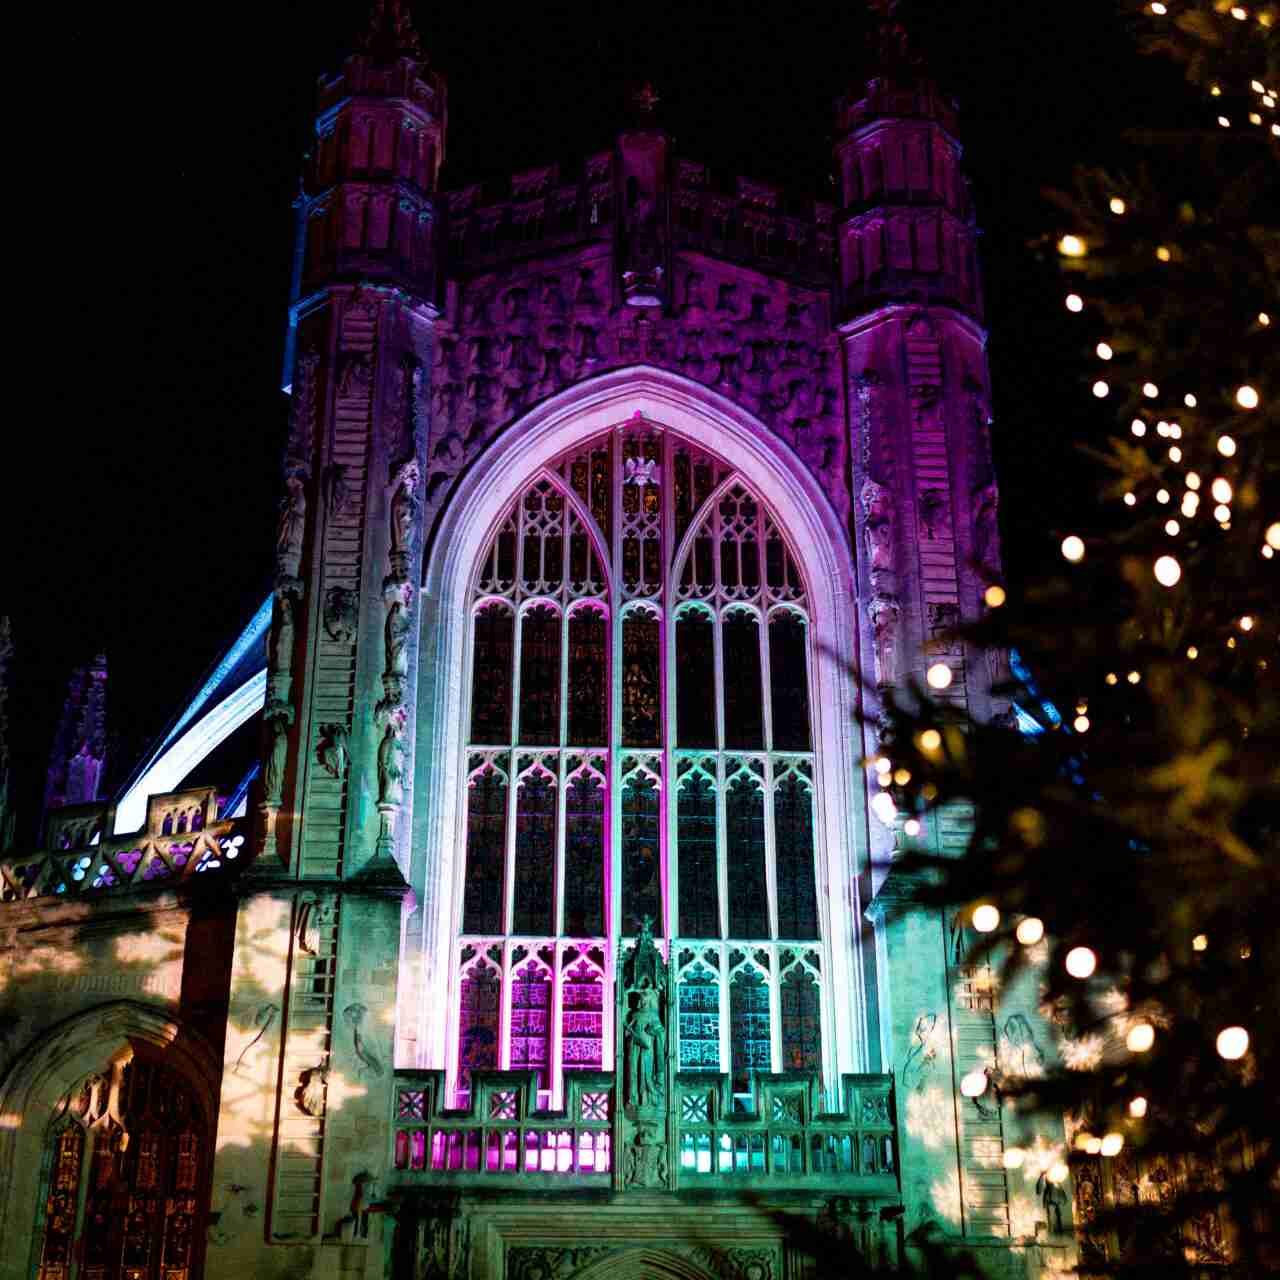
(924, 529)
(343, 644)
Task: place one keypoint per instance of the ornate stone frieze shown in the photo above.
(509, 341)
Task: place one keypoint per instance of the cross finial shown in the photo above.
(644, 101)
(895, 53)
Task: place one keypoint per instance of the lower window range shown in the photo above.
(740, 1008)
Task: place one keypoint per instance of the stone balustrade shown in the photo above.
(183, 836)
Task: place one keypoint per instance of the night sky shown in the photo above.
(159, 162)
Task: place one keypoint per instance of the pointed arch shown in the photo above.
(770, 472)
(645, 1263)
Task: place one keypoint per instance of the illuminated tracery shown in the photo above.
(640, 746)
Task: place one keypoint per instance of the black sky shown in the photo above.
(158, 150)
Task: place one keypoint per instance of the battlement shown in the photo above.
(540, 210)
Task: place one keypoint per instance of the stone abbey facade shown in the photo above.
(557, 936)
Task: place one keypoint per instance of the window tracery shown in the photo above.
(126, 1177)
(641, 747)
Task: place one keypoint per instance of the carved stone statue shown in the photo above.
(885, 614)
(646, 1160)
(396, 636)
(646, 1039)
(333, 749)
(292, 525)
(391, 764)
(986, 534)
(878, 532)
(922, 1057)
(340, 614)
(309, 1095)
(404, 506)
(278, 717)
(280, 650)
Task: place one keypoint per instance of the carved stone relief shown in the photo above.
(510, 342)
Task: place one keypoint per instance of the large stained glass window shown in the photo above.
(126, 1187)
(640, 746)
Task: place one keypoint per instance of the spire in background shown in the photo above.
(80, 745)
(391, 33)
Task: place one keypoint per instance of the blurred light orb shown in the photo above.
(1112, 1144)
(1130, 500)
(1057, 1172)
(1117, 205)
(1138, 1107)
(930, 740)
(1200, 942)
(939, 676)
(1150, 390)
(994, 596)
(1221, 490)
(911, 826)
(1072, 247)
(1222, 514)
(1101, 389)
(1163, 254)
(1171, 527)
(1104, 351)
(1081, 962)
(1162, 496)
(1142, 1035)
(1081, 724)
(1227, 446)
(1175, 454)
(1233, 1043)
(986, 918)
(1013, 1158)
(1273, 536)
(1246, 623)
(1093, 1146)
(1167, 571)
(1030, 931)
(974, 1085)
(1075, 302)
(1189, 400)
(1193, 479)
(883, 807)
(1246, 397)
(1138, 427)
(1073, 548)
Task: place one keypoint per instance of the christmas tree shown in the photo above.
(1124, 807)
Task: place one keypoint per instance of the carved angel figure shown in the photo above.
(391, 766)
(292, 526)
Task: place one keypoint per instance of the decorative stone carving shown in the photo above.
(332, 751)
(263, 1019)
(353, 1015)
(309, 1095)
(646, 1159)
(986, 532)
(340, 606)
(334, 487)
(302, 416)
(1020, 1054)
(551, 1263)
(281, 636)
(396, 631)
(921, 1059)
(404, 508)
(878, 532)
(444, 1240)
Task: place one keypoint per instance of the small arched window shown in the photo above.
(640, 746)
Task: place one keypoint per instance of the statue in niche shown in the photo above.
(391, 763)
(396, 636)
(280, 638)
(292, 525)
(332, 753)
(278, 717)
(885, 614)
(354, 373)
(340, 614)
(1054, 1200)
(94, 1098)
(922, 1057)
(646, 1051)
(404, 507)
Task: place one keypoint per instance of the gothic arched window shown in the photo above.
(125, 1178)
(640, 746)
